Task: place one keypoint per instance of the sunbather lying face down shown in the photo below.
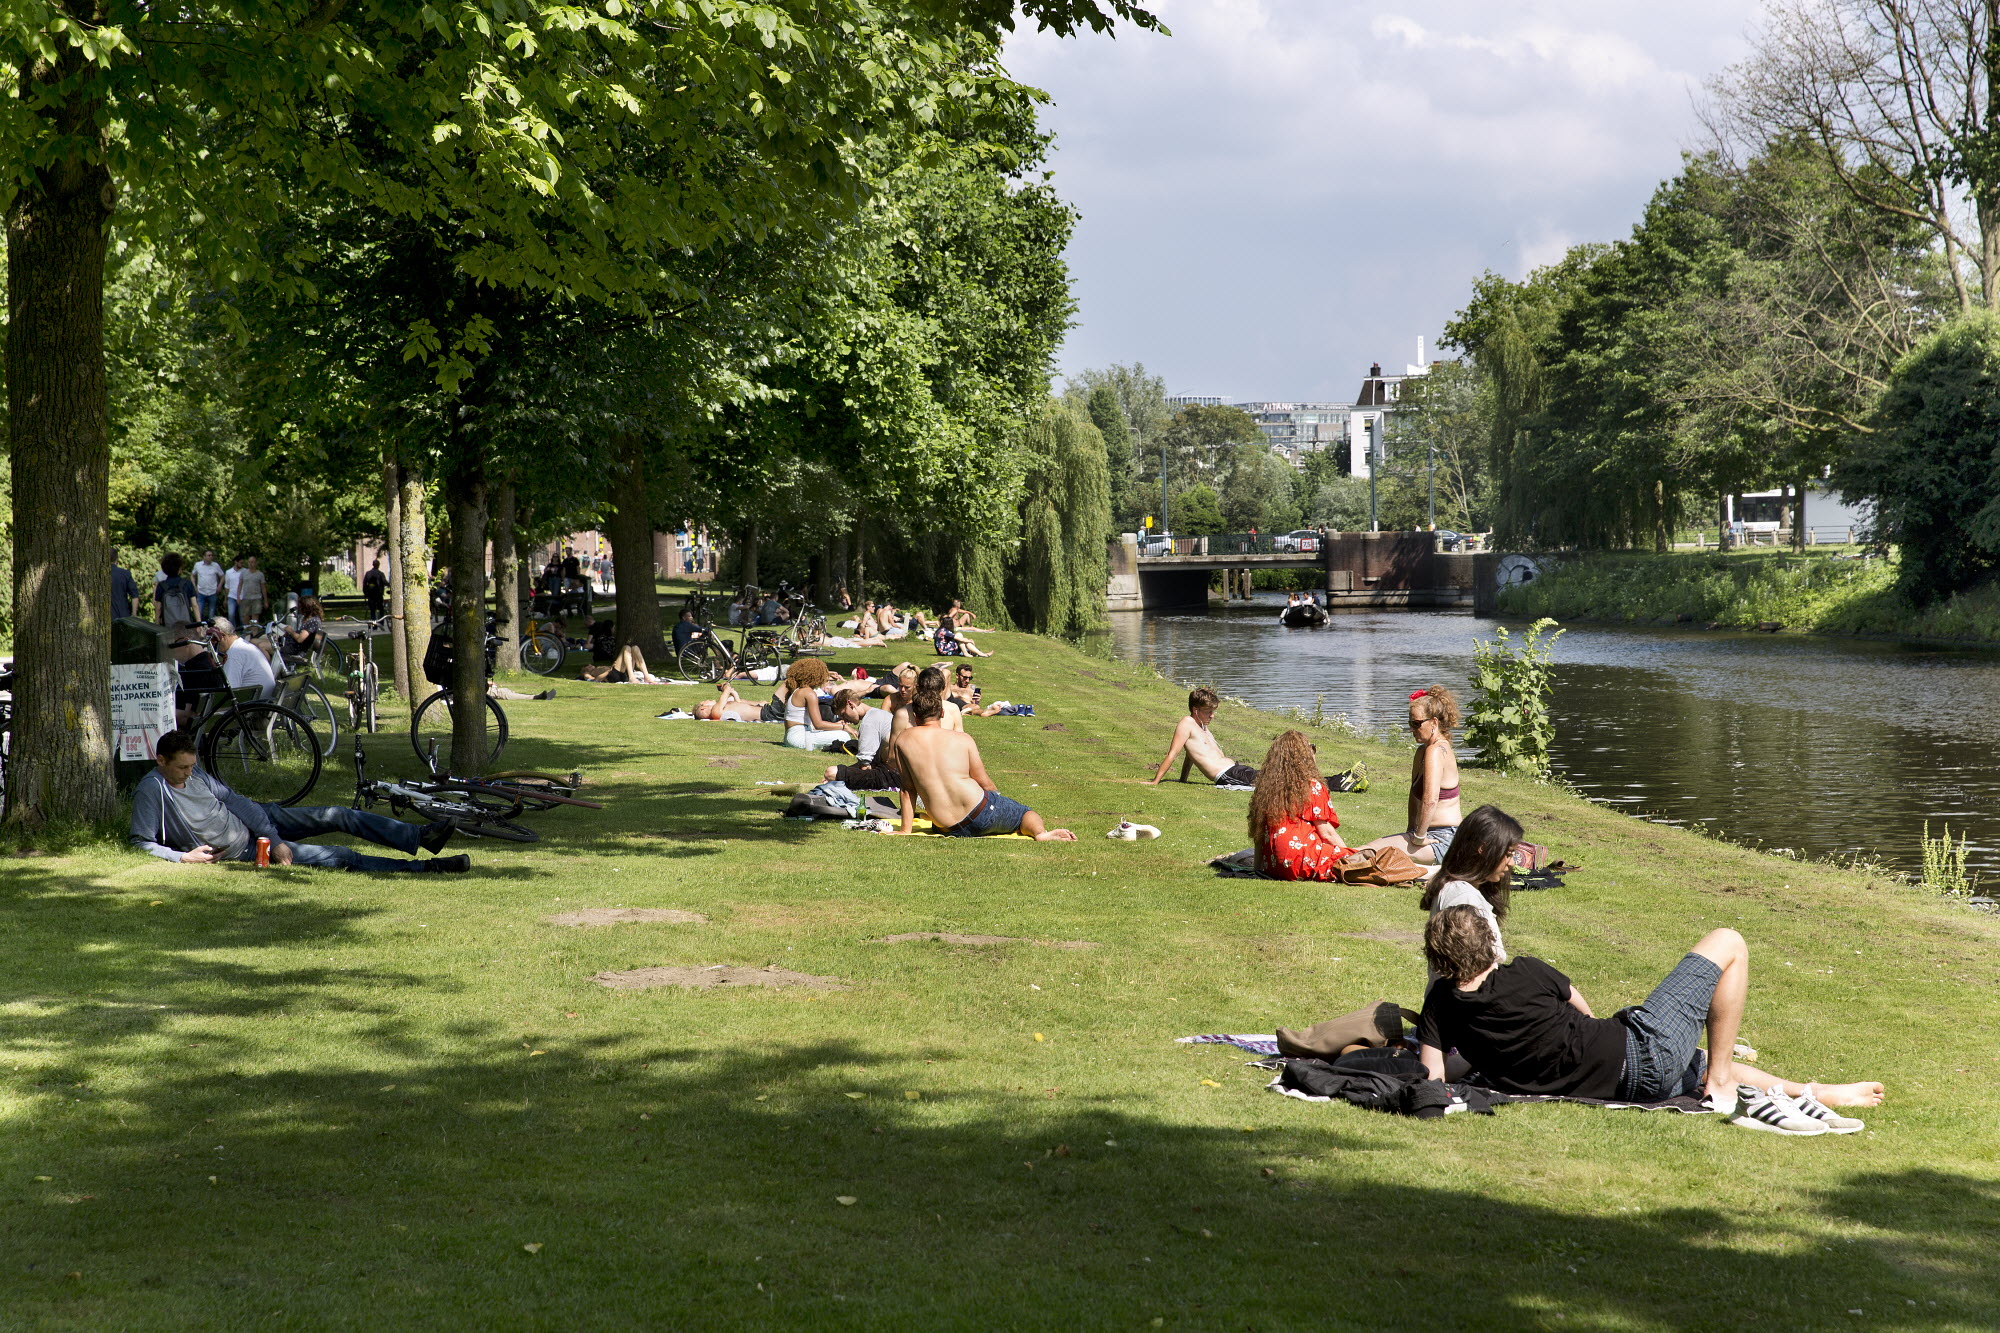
(944, 769)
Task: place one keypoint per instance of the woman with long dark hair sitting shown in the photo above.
(1477, 871)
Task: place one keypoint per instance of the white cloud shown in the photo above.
(1285, 190)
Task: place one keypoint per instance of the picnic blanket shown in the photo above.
(1382, 866)
(922, 825)
(1258, 1042)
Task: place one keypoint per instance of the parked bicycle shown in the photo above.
(260, 749)
(431, 731)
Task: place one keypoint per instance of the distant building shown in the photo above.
(1294, 430)
(1374, 404)
(1193, 400)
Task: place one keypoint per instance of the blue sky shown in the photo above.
(1286, 190)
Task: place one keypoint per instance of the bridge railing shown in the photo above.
(1237, 543)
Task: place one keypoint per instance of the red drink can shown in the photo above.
(263, 851)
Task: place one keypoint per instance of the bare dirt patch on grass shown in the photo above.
(715, 977)
(612, 916)
(951, 937)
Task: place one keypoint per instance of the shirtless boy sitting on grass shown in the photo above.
(1201, 750)
(943, 768)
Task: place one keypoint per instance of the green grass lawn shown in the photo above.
(295, 1099)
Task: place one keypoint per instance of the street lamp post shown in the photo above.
(1434, 485)
(1166, 519)
(1374, 466)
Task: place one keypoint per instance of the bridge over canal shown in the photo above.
(1358, 569)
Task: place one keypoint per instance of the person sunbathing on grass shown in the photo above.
(1526, 1029)
(1434, 807)
(733, 707)
(943, 769)
(965, 694)
(871, 770)
(1292, 821)
(805, 727)
(1193, 737)
(910, 684)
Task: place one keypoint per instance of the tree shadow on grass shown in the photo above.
(752, 1187)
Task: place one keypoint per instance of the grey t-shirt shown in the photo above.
(210, 820)
(875, 725)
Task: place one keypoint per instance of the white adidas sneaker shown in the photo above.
(1772, 1112)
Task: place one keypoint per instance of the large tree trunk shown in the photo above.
(413, 609)
(631, 530)
(860, 560)
(506, 583)
(392, 505)
(60, 767)
(1799, 516)
(465, 502)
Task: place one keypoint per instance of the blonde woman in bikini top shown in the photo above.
(1435, 812)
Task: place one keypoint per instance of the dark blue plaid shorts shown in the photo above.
(1663, 1055)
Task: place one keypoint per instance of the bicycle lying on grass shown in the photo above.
(477, 807)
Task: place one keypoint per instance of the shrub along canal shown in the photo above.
(1825, 746)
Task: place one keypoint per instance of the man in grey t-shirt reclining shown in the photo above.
(180, 813)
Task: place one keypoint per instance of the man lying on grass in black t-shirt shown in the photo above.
(1527, 1030)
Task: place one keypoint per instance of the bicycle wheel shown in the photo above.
(332, 662)
(302, 694)
(264, 752)
(432, 724)
(542, 653)
(704, 659)
(473, 820)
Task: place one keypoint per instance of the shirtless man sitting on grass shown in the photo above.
(943, 768)
(1201, 750)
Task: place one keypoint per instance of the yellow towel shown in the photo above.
(921, 825)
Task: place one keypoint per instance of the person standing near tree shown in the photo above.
(250, 593)
(232, 587)
(173, 596)
(207, 584)
(375, 587)
(124, 592)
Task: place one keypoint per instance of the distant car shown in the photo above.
(1156, 543)
(1305, 539)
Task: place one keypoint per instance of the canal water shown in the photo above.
(1823, 746)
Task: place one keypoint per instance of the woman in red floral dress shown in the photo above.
(1292, 821)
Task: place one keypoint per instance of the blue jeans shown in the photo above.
(204, 604)
(296, 822)
(994, 814)
(235, 612)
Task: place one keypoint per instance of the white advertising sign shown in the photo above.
(142, 708)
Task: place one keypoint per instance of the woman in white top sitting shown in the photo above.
(1477, 871)
(805, 727)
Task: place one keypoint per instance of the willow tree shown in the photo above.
(1061, 565)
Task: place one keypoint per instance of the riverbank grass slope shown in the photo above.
(288, 1099)
(1826, 592)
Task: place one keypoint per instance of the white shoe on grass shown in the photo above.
(1772, 1112)
(1835, 1122)
(1130, 832)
